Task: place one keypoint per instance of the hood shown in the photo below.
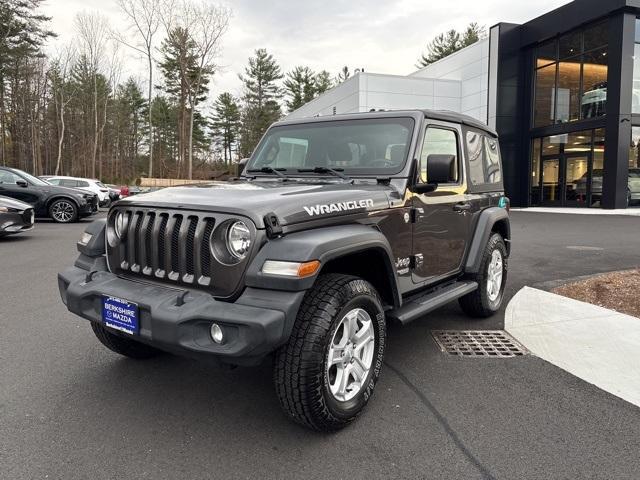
(11, 203)
(67, 190)
(293, 202)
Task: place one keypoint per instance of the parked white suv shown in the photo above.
(94, 186)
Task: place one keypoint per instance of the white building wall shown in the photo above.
(344, 98)
(470, 66)
(459, 83)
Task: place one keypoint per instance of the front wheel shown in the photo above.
(63, 211)
(492, 277)
(326, 373)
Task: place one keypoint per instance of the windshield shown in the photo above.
(369, 146)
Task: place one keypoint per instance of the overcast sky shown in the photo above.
(381, 36)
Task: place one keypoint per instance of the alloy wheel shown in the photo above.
(494, 275)
(62, 211)
(350, 354)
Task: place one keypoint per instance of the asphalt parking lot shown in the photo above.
(71, 409)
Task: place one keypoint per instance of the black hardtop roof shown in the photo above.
(440, 115)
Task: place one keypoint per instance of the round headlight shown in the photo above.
(120, 224)
(238, 239)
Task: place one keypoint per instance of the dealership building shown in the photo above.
(562, 90)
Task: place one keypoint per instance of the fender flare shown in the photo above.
(483, 228)
(323, 244)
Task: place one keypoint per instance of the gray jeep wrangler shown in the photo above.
(337, 226)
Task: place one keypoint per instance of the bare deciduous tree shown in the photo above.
(93, 33)
(145, 17)
(62, 97)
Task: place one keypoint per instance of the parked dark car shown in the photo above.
(62, 204)
(15, 216)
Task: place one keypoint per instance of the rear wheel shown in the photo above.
(325, 375)
(487, 299)
(63, 211)
(123, 346)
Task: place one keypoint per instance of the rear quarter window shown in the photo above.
(483, 157)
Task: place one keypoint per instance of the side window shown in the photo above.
(475, 152)
(492, 172)
(484, 159)
(82, 184)
(8, 178)
(68, 183)
(54, 181)
(438, 141)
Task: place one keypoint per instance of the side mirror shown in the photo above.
(22, 183)
(422, 188)
(441, 168)
(241, 165)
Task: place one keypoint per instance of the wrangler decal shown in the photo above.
(338, 207)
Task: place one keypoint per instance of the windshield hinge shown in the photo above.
(272, 224)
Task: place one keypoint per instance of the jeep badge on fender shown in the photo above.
(337, 226)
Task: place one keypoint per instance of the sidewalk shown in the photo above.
(597, 345)
(629, 212)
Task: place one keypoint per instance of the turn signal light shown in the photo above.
(290, 269)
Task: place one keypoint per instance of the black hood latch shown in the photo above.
(272, 224)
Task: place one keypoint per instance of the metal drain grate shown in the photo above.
(478, 343)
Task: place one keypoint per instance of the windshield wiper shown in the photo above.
(336, 172)
(275, 171)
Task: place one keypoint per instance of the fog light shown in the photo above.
(216, 333)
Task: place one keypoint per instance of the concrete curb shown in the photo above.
(598, 345)
(629, 212)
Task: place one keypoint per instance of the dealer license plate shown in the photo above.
(120, 315)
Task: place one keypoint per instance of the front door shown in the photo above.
(565, 180)
(442, 217)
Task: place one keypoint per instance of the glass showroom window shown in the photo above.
(546, 67)
(633, 195)
(571, 77)
(635, 107)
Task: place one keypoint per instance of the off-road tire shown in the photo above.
(70, 205)
(477, 303)
(123, 346)
(300, 373)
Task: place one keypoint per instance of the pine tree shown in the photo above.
(226, 123)
(179, 67)
(343, 75)
(450, 42)
(300, 87)
(260, 99)
(323, 82)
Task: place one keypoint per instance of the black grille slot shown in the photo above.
(137, 255)
(191, 235)
(148, 239)
(161, 234)
(175, 237)
(205, 255)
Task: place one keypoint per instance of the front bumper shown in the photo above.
(257, 323)
(15, 222)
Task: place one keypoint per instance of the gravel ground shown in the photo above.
(617, 291)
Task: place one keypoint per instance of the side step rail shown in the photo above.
(419, 306)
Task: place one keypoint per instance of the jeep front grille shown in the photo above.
(174, 247)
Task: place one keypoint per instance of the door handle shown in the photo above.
(462, 207)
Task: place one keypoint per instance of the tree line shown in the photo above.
(72, 113)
